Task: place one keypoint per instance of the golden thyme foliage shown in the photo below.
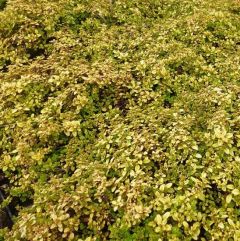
(120, 120)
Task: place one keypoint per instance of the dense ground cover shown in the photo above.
(120, 120)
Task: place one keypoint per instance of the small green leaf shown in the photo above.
(198, 155)
(229, 198)
(235, 192)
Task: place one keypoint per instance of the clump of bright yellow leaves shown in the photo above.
(120, 120)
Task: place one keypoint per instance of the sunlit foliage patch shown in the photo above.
(120, 120)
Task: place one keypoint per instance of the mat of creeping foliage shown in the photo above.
(120, 120)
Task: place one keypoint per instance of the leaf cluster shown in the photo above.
(119, 120)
